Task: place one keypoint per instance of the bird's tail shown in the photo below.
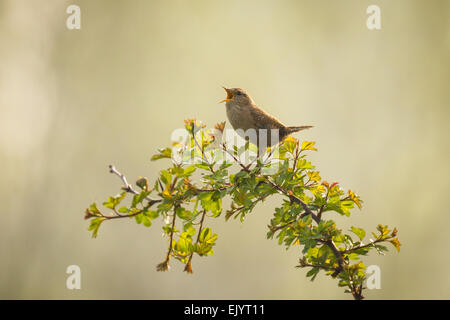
(290, 130)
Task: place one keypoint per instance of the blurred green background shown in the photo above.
(74, 101)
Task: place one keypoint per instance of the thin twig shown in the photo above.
(127, 187)
(172, 232)
(295, 199)
(319, 215)
(304, 264)
(275, 229)
(118, 216)
(188, 267)
(232, 212)
(337, 254)
(235, 159)
(204, 157)
(297, 154)
(372, 244)
(308, 211)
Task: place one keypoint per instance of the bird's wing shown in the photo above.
(263, 120)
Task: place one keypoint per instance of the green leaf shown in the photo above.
(95, 225)
(211, 201)
(384, 231)
(152, 214)
(146, 221)
(313, 175)
(206, 232)
(189, 229)
(241, 175)
(308, 145)
(184, 244)
(138, 218)
(355, 199)
(290, 143)
(304, 164)
(184, 214)
(359, 232)
(165, 206)
(313, 252)
(323, 254)
(225, 165)
(345, 206)
(166, 177)
(313, 273)
(307, 219)
(112, 202)
(207, 237)
(380, 248)
(163, 153)
(123, 210)
(396, 244)
(206, 195)
(93, 209)
(138, 198)
(353, 256)
(188, 171)
(203, 166)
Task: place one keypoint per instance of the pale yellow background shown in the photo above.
(72, 102)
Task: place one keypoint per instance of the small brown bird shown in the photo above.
(245, 116)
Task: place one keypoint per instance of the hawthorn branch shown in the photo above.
(338, 255)
(297, 154)
(164, 266)
(308, 211)
(355, 289)
(225, 187)
(319, 215)
(202, 149)
(295, 199)
(118, 216)
(246, 168)
(287, 224)
(172, 231)
(127, 187)
(188, 267)
(319, 266)
(233, 211)
(371, 244)
(317, 219)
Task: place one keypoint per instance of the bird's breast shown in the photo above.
(239, 117)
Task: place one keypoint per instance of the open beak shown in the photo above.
(229, 95)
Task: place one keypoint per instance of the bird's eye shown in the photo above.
(239, 93)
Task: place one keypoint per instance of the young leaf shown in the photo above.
(359, 232)
(308, 145)
(163, 153)
(95, 225)
(396, 244)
